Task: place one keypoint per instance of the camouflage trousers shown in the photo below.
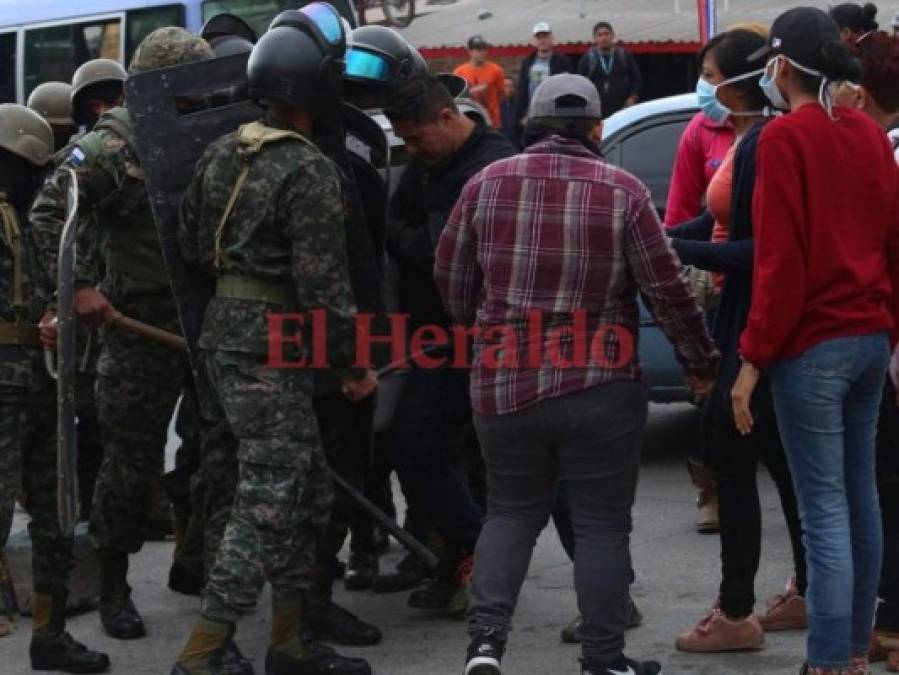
(204, 481)
(284, 493)
(28, 468)
(138, 384)
(346, 430)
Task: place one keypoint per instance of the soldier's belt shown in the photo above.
(254, 288)
(22, 334)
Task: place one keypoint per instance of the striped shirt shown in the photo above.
(544, 255)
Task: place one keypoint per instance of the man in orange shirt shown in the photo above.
(486, 79)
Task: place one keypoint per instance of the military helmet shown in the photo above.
(169, 46)
(96, 71)
(25, 133)
(379, 55)
(53, 102)
(298, 61)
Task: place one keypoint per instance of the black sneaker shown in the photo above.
(410, 573)
(484, 656)
(624, 666)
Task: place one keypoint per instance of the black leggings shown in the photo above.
(735, 459)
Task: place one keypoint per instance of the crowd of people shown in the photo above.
(774, 276)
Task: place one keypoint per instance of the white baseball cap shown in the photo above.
(542, 27)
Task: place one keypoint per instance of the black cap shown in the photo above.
(477, 42)
(799, 34)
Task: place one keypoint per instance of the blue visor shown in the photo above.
(366, 66)
(327, 20)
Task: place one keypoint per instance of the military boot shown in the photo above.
(117, 613)
(337, 624)
(211, 650)
(52, 648)
(294, 652)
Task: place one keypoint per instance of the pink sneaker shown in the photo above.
(717, 632)
(786, 611)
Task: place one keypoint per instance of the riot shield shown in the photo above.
(177, 113)
(66, 441)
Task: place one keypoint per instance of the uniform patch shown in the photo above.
(77, 157)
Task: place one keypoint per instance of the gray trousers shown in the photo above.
(591, 439)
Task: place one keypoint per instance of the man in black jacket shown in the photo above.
(538, 66)
(446, 149)
(612, 70)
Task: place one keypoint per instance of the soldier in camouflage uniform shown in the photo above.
(264, 213)
(138, 382)
(97, 86)
(27, 398)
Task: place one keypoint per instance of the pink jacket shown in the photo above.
(699, 154)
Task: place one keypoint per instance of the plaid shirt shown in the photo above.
(536, 240)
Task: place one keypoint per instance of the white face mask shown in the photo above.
(826, 91)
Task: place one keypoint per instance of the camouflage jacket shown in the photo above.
(286, 227)
(22, 374)
(115, 221)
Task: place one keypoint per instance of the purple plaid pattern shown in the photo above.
(557, 231)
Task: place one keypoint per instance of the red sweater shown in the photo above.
(826, 233)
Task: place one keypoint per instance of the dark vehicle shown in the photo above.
(643, 140)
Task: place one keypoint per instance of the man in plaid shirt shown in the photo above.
(545, 254)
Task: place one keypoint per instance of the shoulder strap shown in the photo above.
(14, 237)
(250, 140)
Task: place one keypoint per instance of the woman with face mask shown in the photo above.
(826, 262)
(722, 243)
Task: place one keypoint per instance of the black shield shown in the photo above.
(177, 113)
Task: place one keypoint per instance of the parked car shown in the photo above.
(643, 140)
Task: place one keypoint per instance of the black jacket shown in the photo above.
(558, 63)
(616, 87)
(418, 212)
(734, 258)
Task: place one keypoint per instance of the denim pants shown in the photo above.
(827, 401)
(591, 439)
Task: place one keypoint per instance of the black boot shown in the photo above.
(117, 613)
(52, 648)
(333, 623)
(409, 574)
(184, 580)
(361, 571)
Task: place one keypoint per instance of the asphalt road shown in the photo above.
(677, 579)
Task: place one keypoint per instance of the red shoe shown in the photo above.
(786, 611)
(717, 632)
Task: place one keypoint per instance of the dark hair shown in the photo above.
(419, 99)
(731, 51)
(108, 92)
(836, 62)
(880, 70)
(853, 16)
(603, 24)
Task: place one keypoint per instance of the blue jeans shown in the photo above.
(827, 401)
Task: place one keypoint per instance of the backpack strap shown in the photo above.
(251, 138)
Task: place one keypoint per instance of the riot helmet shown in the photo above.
(299, 60)
(379, 55)
(97, 79)
(228, 34)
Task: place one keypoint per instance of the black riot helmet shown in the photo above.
(376, 59)
(299, 61)
(228, 34)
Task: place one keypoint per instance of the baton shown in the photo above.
(153, 333)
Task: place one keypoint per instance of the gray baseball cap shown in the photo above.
(578, 95)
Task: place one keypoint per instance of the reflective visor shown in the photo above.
(366, 66)
(327, 20)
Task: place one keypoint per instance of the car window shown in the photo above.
(649, 155)
(142, 22)
(8, 68)
(53, 53)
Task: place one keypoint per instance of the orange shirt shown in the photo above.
(718, 198)
(491, 77)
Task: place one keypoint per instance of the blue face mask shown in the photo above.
(768, 83)
(708, 98)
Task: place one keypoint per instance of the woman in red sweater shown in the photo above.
(826, 261)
